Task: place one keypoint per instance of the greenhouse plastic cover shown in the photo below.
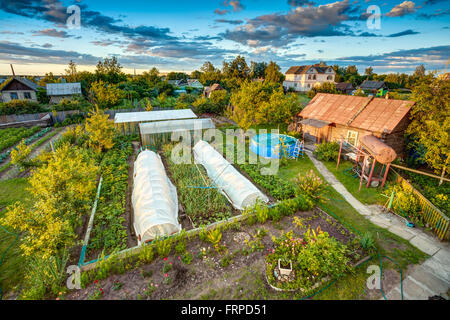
(176, 125)
(154, 199)
(238, 189)
(144, 116)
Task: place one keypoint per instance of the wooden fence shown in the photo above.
(437, 220)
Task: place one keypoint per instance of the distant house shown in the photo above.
(208, 90)
(332, 117)
(19, 88)
(345, 87)
(372, 87)
(178, 83)
(194, 83)
(303, 78)
(59, 91)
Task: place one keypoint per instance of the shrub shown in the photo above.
(327, 151)
(313, 257)
(20, 107)
(367, 241)
(311, 185)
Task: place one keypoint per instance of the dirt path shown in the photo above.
(14, 172)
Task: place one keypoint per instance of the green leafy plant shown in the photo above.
(327, 151)
(311, 185)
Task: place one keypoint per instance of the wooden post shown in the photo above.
(357, 154)
(339, 157)
(371, 172)
(362, 172)
(385, 175)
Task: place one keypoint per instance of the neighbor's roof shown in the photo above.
(148, 116)
(175, 125)
(367, 113)
(63, 89)
(304, 69)
(26, 82)
(370, 84)
(344, 86)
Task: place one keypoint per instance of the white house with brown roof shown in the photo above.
(303, 78)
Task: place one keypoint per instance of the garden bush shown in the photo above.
(315, 257)
(327, 151)
(310, 185)
(21, 107)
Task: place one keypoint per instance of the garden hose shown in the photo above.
(378, 254)
(6, 251)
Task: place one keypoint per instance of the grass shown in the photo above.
(12, 268)
(389, 244)
(366, 195)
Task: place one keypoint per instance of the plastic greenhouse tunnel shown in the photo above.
(231, 183)
(154, 199)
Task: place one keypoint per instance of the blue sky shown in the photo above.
(182, 35)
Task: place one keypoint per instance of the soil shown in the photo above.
(206, 277)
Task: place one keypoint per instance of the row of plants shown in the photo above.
(109, 232)
(11, 136)
(202, 205)
(278, 188)
(164, 247)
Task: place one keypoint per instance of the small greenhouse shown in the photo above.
(231, 183)
(155, 133)
(127, 122)
(154, 199)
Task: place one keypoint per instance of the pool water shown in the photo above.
(268, 145)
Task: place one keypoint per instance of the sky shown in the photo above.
(40, 36)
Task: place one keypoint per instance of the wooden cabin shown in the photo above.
(332, 117)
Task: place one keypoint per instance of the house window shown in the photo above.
(27, 95)
(309, 77)
(14, 96)
(329, 78)
(309, 86)
(314, 77)
(352, 137)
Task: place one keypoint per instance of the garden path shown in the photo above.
(13, 172)
(428, 279)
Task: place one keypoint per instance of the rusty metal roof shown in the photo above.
(376, 115)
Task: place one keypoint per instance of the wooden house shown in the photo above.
(18, 88)
(332, 117)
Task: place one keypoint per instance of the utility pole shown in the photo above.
(12, 69)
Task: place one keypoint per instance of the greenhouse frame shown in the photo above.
(160, 132)
(154, 199)
(128, 122)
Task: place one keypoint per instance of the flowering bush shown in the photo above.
(311, 185)
(314, 257)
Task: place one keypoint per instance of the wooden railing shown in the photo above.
(436, 219)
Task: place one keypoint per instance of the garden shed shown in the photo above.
(154, 199)
(231, 183)
(156, 133)
(128, 122)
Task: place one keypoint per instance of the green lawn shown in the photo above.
(366, 195)
(13, 267)
(353, 286)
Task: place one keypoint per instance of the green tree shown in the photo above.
(105, 96)
(262, 102)
(326, 87)
(430, 123)
(273, 73)
(71, 72)
(110, 71)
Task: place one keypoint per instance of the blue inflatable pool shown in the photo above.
(269, 145)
